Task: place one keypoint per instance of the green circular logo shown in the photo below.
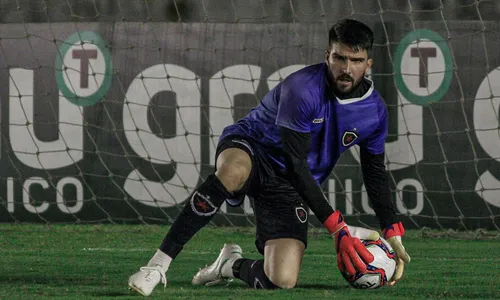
(438, 90)
(84, 68)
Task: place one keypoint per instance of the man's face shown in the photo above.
(348, 67)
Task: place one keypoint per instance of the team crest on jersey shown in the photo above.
(301, 214)
(348, 138)
(201, 205)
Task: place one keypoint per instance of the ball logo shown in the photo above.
(83, 68)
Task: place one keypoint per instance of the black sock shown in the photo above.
(198, 211)
(252, 272)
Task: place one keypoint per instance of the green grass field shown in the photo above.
(94, 262)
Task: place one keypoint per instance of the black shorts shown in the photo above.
(279, 210)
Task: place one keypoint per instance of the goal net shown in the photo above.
(111, 110)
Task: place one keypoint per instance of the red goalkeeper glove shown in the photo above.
(352, 255)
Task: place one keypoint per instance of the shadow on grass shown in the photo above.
(114, 294)
(322, 286)
(238, 284)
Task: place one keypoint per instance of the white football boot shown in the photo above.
(147, 279)
(220, 272)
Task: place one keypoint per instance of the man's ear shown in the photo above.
(370, 63)
(327, 54)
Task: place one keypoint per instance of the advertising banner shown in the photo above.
(118, 122)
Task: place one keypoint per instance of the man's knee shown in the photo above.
(284, 281)
(282, 261)
(233, 168)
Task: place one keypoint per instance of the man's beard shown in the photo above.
(337, 90)
(342, 81)
(340, 84)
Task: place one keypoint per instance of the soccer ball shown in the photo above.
(379, 271)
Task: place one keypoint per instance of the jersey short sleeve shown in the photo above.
(295, 108)
(375, 144)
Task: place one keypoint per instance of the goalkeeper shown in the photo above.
(279, 154)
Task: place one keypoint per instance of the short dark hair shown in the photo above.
(352, 33)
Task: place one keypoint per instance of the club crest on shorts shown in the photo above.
(348, 138)
(201, 205)
(301, 214)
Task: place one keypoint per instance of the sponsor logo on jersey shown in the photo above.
(317, 121)
(348, 138)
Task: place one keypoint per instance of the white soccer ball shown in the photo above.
(380, 271)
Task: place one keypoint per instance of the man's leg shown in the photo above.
(279, 268)
(233, 170)
(282, 223)
(281, 236)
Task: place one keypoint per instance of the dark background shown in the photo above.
(205, 37)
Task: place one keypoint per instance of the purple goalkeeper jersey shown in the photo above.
(304, 102)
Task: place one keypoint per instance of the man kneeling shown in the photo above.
(279, 154)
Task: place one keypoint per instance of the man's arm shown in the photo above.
(351, 254)
(296, 148)
(376, 180)
(296, 111)
(377, 187)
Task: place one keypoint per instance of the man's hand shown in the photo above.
(393, 234)
(363, 233)
(352, 255)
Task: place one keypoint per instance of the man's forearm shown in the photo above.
(303, 181)
(295, 149)
(377, 186)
